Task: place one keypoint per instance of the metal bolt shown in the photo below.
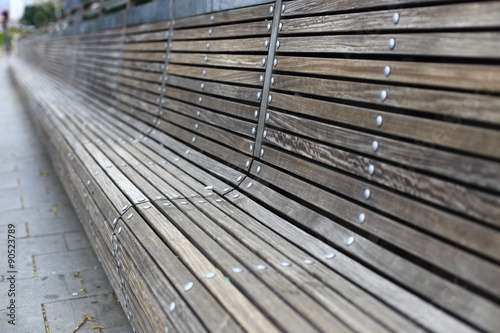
(130, 216)
(171, 307)
(367, 194)
(308, 261)
(236, 196)
(250, 148)
(262, 152)
(210, 275)
(280, 26)
(330, 255)
(204, 72)
(249, 185)
(209, 31)
(193, 139)
(247, 164)
(256, 113)
(259, 94)
(361, 218)
(392, 43)
(261, 266)
(269, 99)
(208, 46)
(211, 18)
(257, 169)
(269, 27)
(387, 71)
(267, 117)
(371, 169)
(261, 78)
(119, 230)
(283, 8)
(264, 134)
(277, 44)
(206, 59)
(202, 86)
(383, 95)
(237, 269)
(200, 99)
(188, 286)
(271, 9)
(266, 43)
(349, 241)
(395, 18)
(378, 121)
(198, 113)
(239, 178)
(272, 80)
(374, 146)
(275, 62)
(285, 264)
(263, 61)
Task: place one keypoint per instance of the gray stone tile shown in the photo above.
(9, 180)
(93, 280)
(66, 262)
(77, 240)
(10, 201)
(20, 227)
(42, 244)
(39, 290)
(64, 316)
(29, 319)
(53, 225)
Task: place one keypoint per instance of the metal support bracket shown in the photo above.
(276, 9)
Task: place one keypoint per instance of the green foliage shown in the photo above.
(38, 15)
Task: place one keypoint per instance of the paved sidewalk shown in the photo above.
(58, 275)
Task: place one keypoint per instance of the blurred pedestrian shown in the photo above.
(5, 21)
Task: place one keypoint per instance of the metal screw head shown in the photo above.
(237, 270)
(280, 26)
(263, 61)
(249, 185)
(383, 95)
(200, 99)
(202, 86)
(395, 18)
(269, 27)
(247, 164)
(261, 78)
(257, 169)
(171, 307)
(367, 194)
(206, 58)
(374, 146)
(261, 266)
(119, 230)
(193, 139)
(266, 43)
(371, 169)
(250, 148)
(379, 120)
(204, 72)
(253, 130)
(308, 261)
(267, 117)
(361, 218)
(283, 8)
(272, 81)
(264, 134)
(277, 44)
(269, 98)
(256, 113)
(330, 255)
(349, 241)
(208, 46)
(271, 9)
(196, 126)
(387, 71)
(210, 31)
(188, 286)
(198, 113)
(211, 18)
(259, 94)
(275, 62)
(285, 264)
(391, 44)
(210, 275)
(262, 152)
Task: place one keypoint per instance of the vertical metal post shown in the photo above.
(276, 8)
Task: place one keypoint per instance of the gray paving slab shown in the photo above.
(56, 268)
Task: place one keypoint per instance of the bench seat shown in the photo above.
(330, 166)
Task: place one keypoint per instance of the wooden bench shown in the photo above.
(296, 166)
